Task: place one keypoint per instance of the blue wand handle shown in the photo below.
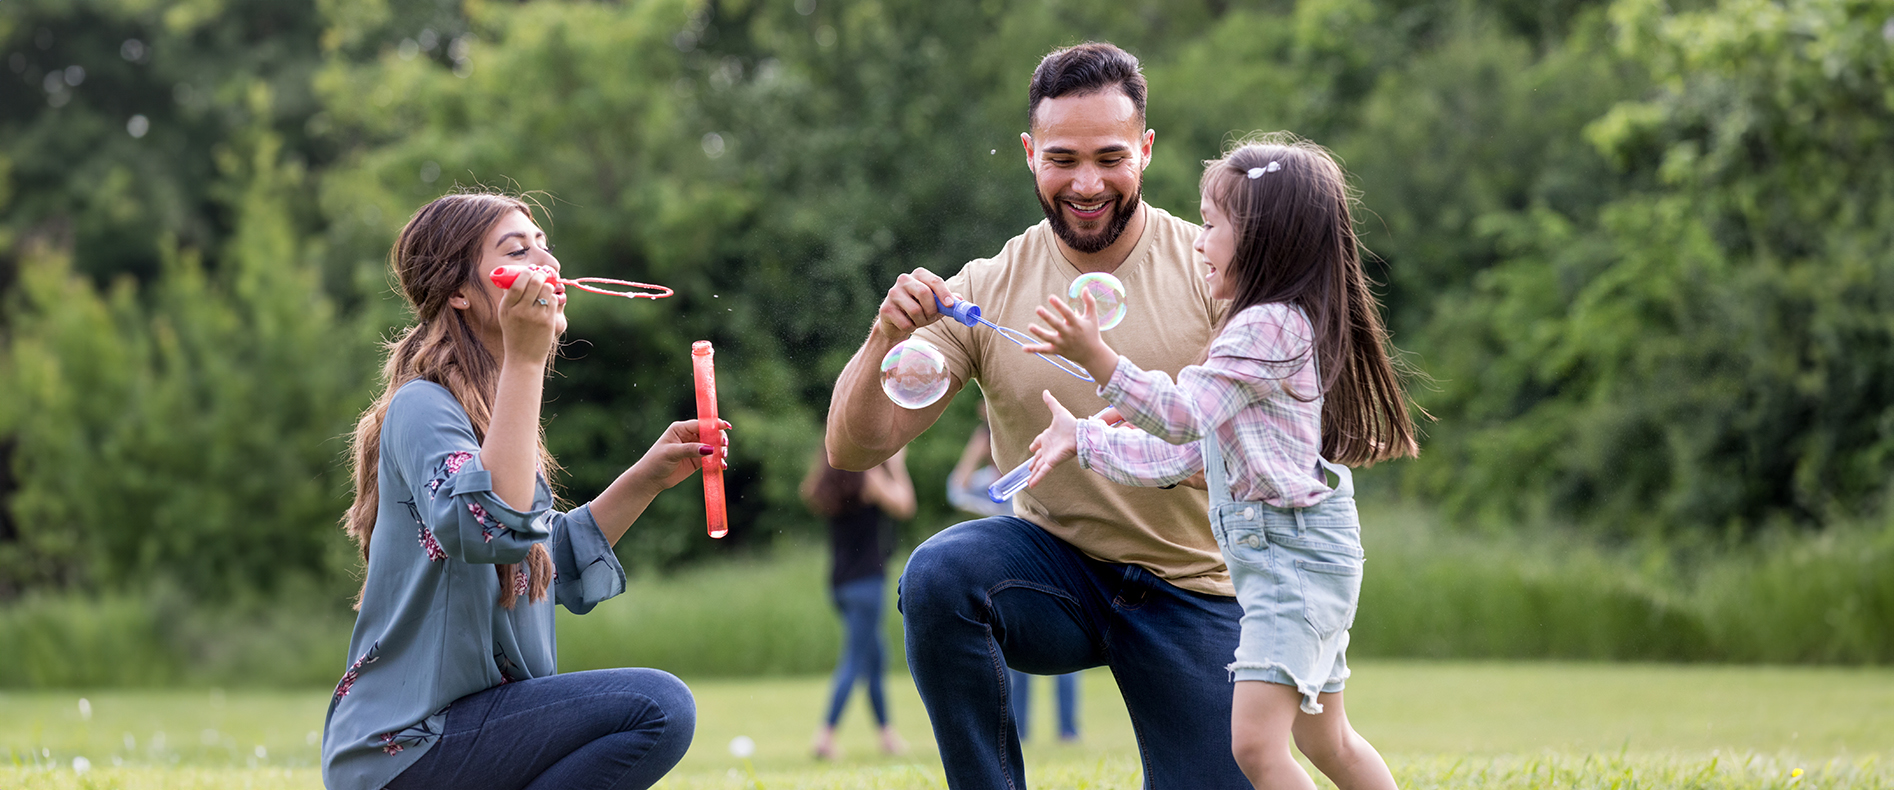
(963, 311)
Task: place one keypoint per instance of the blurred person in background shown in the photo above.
(967, 490)
(860, 508)
(453, 681)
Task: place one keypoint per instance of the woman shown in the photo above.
(861, 538)
(453, 677)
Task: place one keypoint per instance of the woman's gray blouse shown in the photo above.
(431, 629)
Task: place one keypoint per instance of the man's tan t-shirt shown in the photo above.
(1167, 326)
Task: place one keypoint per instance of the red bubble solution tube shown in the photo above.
(710, 431)
(505, 275)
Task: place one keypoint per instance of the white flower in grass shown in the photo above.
(742, 746)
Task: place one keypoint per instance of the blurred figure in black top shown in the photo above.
(859, 507)
(966, 490)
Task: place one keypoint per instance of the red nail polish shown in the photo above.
(705, 449)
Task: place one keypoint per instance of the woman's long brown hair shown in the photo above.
(1296, 244)
(437, 255)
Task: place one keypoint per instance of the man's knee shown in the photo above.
(945, 567)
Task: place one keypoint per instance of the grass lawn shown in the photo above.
(1475, 725)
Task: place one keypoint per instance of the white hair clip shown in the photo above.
(1257, 172)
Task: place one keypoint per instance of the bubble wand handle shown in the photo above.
(710, 432)
(968, 313)
(1015, 481)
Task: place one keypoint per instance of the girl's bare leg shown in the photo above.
(1262, 716)
(1337, 750)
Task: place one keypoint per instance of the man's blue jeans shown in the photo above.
(984, 595)
(1065, 692)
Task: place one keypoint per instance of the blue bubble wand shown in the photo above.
(969, 313)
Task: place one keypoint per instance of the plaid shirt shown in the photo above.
(1271, 439)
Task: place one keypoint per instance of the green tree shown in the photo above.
(1712, 348)
(189, 434)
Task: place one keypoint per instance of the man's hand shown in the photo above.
(910, 304)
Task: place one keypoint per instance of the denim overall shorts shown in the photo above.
(1297, 573)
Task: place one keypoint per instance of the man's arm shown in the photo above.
(865, 428)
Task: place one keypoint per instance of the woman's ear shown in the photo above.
(459, 300)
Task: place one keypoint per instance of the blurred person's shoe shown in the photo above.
(891, 742)
(825, 744)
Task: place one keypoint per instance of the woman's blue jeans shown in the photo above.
(608, 728)
(984, 595)
(859, 603)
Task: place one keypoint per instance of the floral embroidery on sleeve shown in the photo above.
(450, 465)
(487, 525)
(355, 670)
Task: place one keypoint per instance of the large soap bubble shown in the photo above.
(1106, 291)
(914, 374)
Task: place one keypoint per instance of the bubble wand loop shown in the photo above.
(969, 313)
(505, 275)
(710, 432)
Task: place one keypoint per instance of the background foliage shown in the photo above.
(1642, 248)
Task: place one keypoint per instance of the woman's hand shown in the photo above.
(532, 315)
(1055, 445)
(678, 453)
(674, 456)
(1074, 335)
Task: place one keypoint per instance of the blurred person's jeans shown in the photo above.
(1065, 695)
(609, 728)
(859, 603)
(984, 595)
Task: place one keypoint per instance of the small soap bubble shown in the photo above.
(742, 746)
(1106, 291)
(81, 765)
(85, 709)
(914, 373)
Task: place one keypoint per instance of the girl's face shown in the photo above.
(1215, 246)
(512, 241)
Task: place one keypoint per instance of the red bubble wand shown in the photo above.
(505, 275)
(708, 426)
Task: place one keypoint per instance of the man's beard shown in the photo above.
(1120, 217)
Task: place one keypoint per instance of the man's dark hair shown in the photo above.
(1087, 68)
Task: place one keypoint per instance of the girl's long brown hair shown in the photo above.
(1296, 244)
(436, 255)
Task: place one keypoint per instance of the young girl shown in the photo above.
(1298, 375)
(452, 677)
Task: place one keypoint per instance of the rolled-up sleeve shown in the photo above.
(433, 446)
(588, 571)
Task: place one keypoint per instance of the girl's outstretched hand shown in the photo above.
(1055, 445)
(1074, 335)
(678, 453)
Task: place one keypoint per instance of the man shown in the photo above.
(1086, 572)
